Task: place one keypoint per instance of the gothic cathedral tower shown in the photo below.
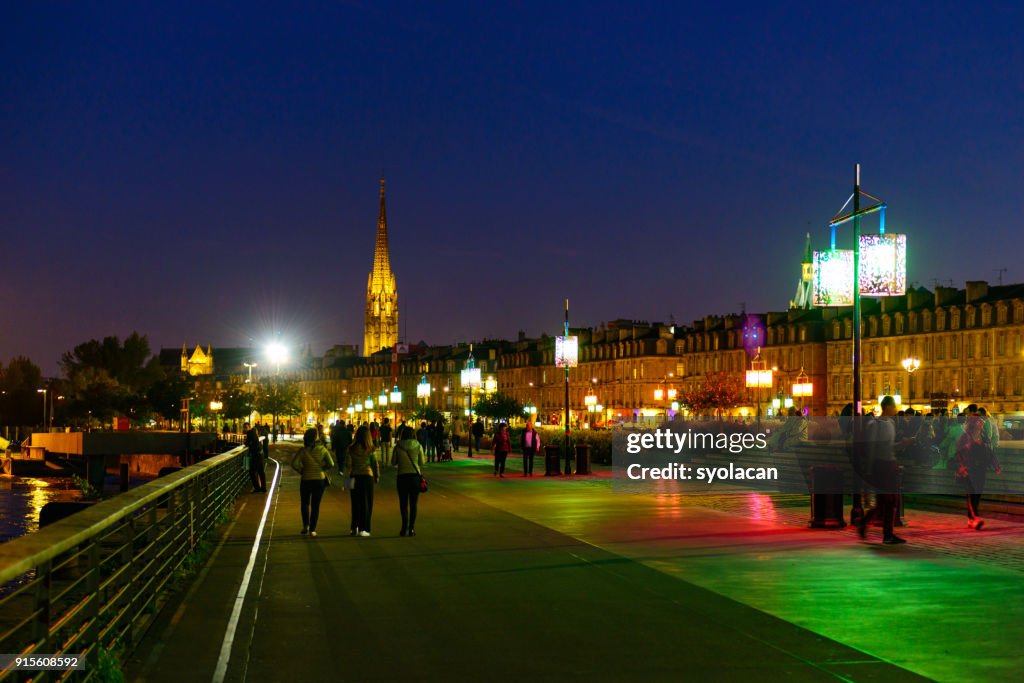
(381, 328)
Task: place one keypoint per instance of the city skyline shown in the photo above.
(163, 179)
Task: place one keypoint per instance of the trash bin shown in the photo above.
(583, 458)
(552, 453)
(827, 497)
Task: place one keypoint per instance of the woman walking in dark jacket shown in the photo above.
(974, 455)
(362, 467)
(313, 461)
(407, 456)
(501, 447)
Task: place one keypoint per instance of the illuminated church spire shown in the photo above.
(381, 322)
(804, 287)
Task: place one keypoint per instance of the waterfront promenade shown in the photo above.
(561, 579)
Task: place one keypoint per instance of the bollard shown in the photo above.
(827, 498)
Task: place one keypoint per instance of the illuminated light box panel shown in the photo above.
(883, 264)
(567, 352)
(833, 277)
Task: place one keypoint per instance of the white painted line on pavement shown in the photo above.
(236, 611)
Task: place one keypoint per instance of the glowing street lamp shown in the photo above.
(759, 377)
(911, 365)
(396, 400)
(470, 379)
(490, 385)
(382, 400)
(567, 355)
(803, 388)
(45, 393)
(368, 403)
(277, 354)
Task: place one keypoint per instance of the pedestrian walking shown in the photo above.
(881, 436)
(313, 462)
(363, 471)
(257, 464)
(428, 437)
(408, 458)
(478, 433)
(501, 447)
(530, 443)
(438, 436)
(265, 439)
(341, 447)
(456, 433)
(385, 441)
(955, 429)
(974, 456)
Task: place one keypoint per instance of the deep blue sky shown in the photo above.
(209, 172)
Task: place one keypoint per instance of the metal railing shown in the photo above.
(93, 582)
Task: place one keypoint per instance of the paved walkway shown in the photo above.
(561, 578)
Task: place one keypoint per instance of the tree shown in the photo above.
(278, 400)
(238, 405)
(719, 392)
(20, 402)
(164, 397)
(108, 378)
(498, 406)
(429, 414)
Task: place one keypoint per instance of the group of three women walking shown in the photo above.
(361, 472)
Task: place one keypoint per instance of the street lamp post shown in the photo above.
(470, 379)
(567, 356)
(44, 392)
(396, 398)
(911, 365)
(249, 367)
(758, 377)
(803, 388)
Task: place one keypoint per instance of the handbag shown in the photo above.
(423, 480)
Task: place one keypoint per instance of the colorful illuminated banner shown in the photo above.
(883, 264)
(567, 352)
(833, 277)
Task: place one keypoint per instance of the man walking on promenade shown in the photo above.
(340, 441)
(478, 433)
(881, 435)
(385, 442)
(257, 465)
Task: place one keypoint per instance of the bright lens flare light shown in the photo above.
(277, 353)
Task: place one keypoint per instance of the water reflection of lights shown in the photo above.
(22, 499)
(38, 495)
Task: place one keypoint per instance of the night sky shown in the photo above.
(209, 173)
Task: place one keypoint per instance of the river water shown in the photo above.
(21, 499)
